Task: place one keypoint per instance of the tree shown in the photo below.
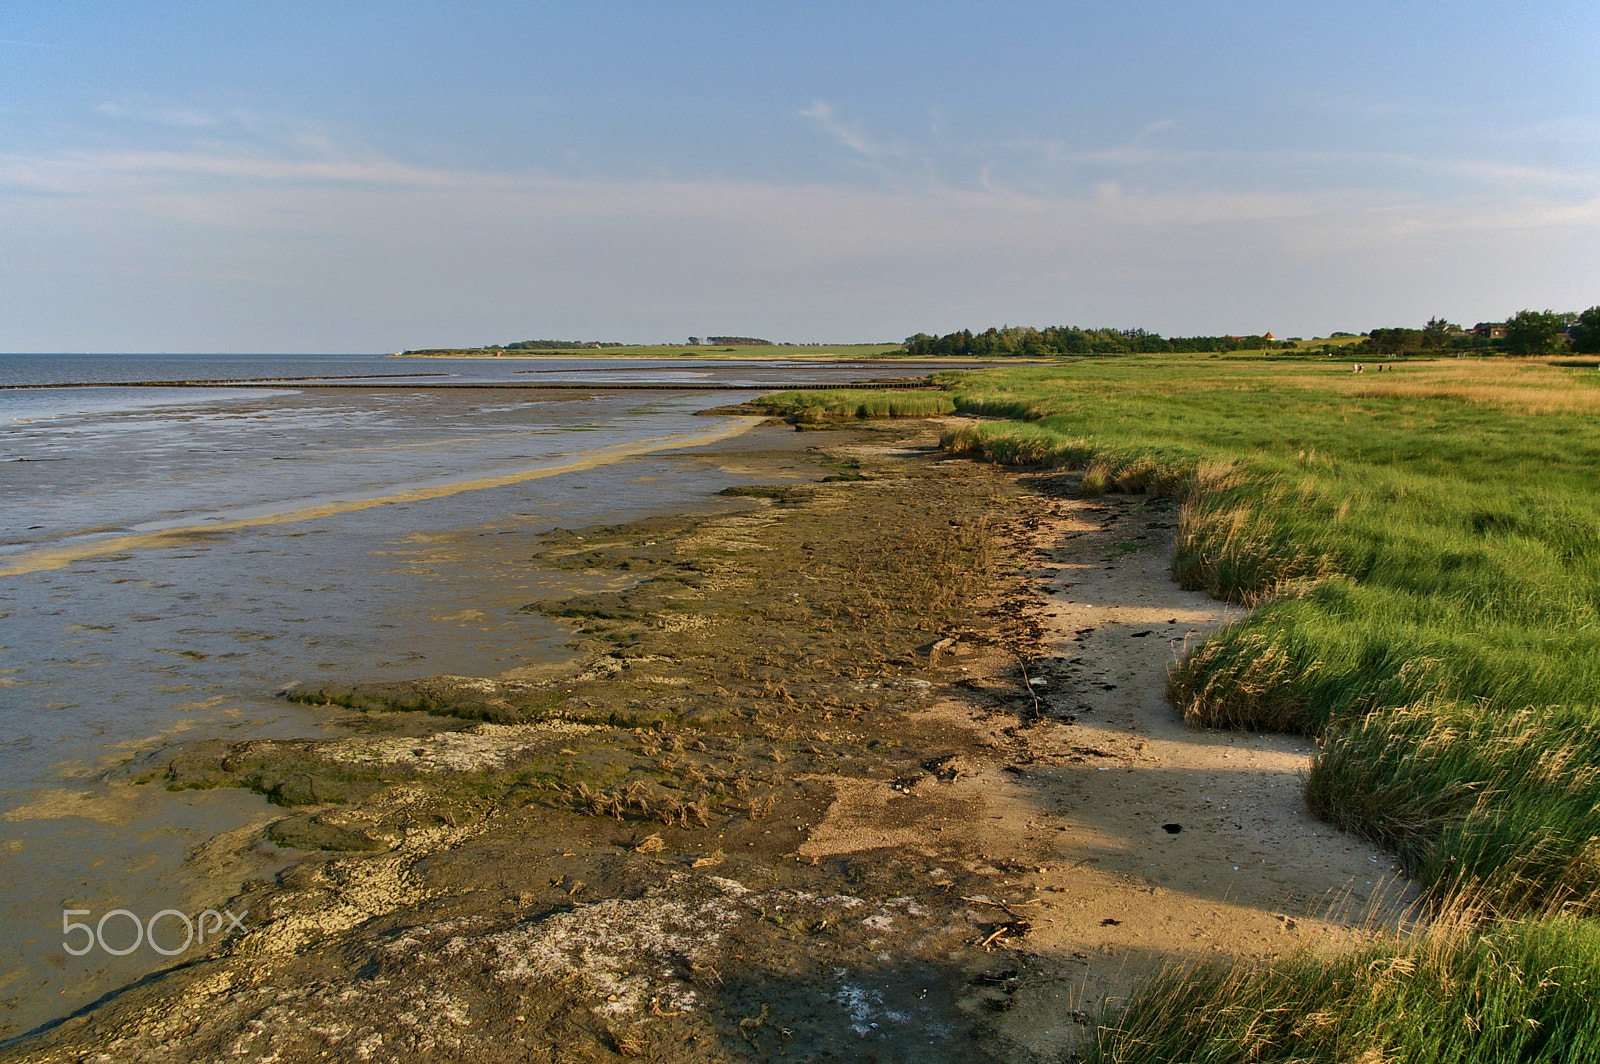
(1533, 332)
(1586, 332)
(1394, 341)
(1437, 333)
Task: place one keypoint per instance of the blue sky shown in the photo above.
(366, 177)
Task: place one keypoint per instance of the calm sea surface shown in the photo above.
(350, 532)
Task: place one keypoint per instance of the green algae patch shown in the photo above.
(286, 772)
(465, 697)
(779, 493)
(807, 607)
(319, 833)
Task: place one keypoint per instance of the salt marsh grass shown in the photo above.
(1455, 994)
(1018, 443)
(1420, 550)
(848, 403)
(1405, 549)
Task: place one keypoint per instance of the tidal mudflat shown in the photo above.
(871, 759)
(176, 557)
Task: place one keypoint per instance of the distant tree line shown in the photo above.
(738, 341)
(1025, 341)
(1527, 332)
(552, 345)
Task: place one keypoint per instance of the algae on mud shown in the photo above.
(603, 860)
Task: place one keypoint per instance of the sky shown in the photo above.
(349, 177)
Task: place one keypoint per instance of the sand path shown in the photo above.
(1162, 839)
(1119, 834)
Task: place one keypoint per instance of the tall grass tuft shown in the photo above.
(1524, 992)
(1233, 543)
(1501, 808)
(1245, 682)
(1010, 443)
(1047, 446)
(847, 403)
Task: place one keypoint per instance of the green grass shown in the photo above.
(837, 403)
(783, 352)
(1525, 991)
(1499, 806)
(1421, 549)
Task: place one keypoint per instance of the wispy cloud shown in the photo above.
(827, 119)
(84, 173)
(1158, 157)
(161, 114)
(204, 246)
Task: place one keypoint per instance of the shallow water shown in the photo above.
(348, 533)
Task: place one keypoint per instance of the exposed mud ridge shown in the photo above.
(875, 767)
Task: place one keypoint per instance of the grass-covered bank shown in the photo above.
(839, 403)
(1523, 991)
(1422, 549)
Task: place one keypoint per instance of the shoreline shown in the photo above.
(779, 753)
(756, 354)
(43, 559)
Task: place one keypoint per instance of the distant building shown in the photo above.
(1490, 330)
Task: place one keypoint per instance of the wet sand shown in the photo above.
(60, 557)
(192, 630)
(872, 764)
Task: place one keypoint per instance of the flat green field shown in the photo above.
(1420, 549)
(773, 352)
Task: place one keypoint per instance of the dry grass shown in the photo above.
(1232, 543)
(1515, 387)
(1447, 995)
